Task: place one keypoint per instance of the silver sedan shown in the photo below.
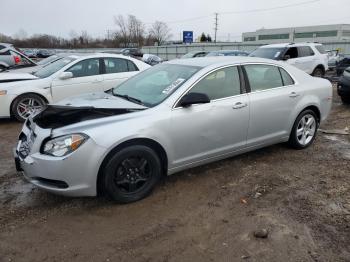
(169, 118)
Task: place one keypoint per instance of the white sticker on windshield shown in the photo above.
(175, 84)
(277, 54)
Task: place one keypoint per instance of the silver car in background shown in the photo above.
(10, 57)
(169, 118)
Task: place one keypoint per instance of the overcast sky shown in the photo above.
(59, 17)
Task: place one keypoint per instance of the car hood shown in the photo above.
(82, 108)
(30, 69)
(7, 77)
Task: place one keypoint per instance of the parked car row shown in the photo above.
(215, 53)
(22, 93)
(38, 53)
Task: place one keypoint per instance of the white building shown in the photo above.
(321, 33)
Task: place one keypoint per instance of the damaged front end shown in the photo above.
(56, 116)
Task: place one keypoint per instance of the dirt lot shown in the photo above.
(205, 214)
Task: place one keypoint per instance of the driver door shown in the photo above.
(206, 131)
(86, 78)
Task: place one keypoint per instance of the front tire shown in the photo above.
(26, 104)
(304, 130)
(318, 72)
(131, 174)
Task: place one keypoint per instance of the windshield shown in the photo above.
(268, 52)
(215, 54)
(48, 60)
(188, 55)
(54, 67)
(154, 85)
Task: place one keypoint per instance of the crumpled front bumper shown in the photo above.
(72, 175)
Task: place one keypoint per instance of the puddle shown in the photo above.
(342, 145)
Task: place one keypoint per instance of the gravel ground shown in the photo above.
(210, 213)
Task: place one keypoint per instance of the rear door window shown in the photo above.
(321, 49)
(88, 67)
(305, 51)
(263, 77)
(115, 65)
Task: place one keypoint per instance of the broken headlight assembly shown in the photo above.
(63, 145)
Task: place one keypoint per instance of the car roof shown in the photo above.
(92, 55)
(219, 61)
(228, 51)
(289, 45)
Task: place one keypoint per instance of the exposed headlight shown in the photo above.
(3, 92)
(63, 145)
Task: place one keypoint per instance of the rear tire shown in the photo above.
(345, 100)
(131, 174)
(26, 104)
(304, 130)
(318, 72)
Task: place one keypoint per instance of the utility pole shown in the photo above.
(216, 26)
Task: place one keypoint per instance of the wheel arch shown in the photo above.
(315, 109)
(27, 93)
(157, 147)
(321, 67)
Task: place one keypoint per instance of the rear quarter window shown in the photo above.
(131, 66)
(286, 78)
(320, 49)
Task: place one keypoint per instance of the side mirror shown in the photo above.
(286, 57)
(194, 98)
(66, 75)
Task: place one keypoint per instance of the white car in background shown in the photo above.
(70, 76)
(312, 58)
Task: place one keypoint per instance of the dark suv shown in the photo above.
(344, 86)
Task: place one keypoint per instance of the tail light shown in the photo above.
(17, 59)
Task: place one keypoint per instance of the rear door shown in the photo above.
(87, 78)
(307, 59)
(213, 129)
(273, 95)
(116, 71)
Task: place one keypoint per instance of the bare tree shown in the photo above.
(130, 31)
(122, 32)
(136, 30)
(21, 34)
(160, 32)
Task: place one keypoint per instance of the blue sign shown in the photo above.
(187, 37)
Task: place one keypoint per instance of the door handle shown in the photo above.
(293, 94)
(239, 105)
